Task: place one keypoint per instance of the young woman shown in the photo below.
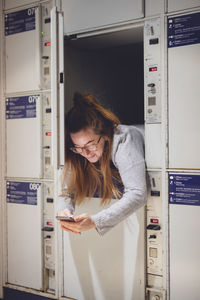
(101, 155)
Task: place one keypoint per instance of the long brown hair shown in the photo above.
(81, 177)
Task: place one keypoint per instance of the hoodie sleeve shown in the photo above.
(128, 157)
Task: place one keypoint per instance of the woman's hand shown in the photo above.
(82, 223)
(63, 225)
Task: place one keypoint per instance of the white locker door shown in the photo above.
(13, 3)
(109, 267)
(176, 5)
(1, 157)
(184, 209)
(24, 234)
(57, 87)
(24, 136)
(80, 16)
(184, 104)
(22, 46)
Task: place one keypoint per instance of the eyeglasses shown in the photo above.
(89, 148)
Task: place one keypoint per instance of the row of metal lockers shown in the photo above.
(161, 56)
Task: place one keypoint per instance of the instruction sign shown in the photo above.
(21, 107)
(184, 189)
(184, 30)
(20, 21)
(22, 192)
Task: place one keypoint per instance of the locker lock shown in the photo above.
(153, 227)
(47, 237)
(151, 84)
(46, 228)
(47, 20)
(45, 57)
(153, 41)
(152, 236)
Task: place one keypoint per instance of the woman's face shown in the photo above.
(88, 144)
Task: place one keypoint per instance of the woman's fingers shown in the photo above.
(63, 226)
(81, 217)
(82, 223)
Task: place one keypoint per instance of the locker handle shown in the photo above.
(153, 227)
(47, 229)
(61, 77)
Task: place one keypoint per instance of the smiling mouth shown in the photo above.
(90, 157)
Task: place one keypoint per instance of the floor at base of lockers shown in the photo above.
(11, 294)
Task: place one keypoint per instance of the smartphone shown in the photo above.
(65, 218)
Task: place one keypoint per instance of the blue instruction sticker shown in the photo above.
(184, 189)
(20, 21)
(184, 30)
(21, 107)
(22, 192)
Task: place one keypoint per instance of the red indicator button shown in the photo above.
(47, 44)
(155, 221)
(48, 133)
(153, 69)
(50, 223)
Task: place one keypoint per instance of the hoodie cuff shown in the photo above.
(99, 228)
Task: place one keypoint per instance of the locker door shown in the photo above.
(24, 134)
(1, 156)
(184, 208)
(12, 3)
(22, 43)
(184, 104)
(24, 207)
(57, 87)
(175, 5)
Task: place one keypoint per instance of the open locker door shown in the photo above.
(57, 121)
(57, 87)
(1, 155)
